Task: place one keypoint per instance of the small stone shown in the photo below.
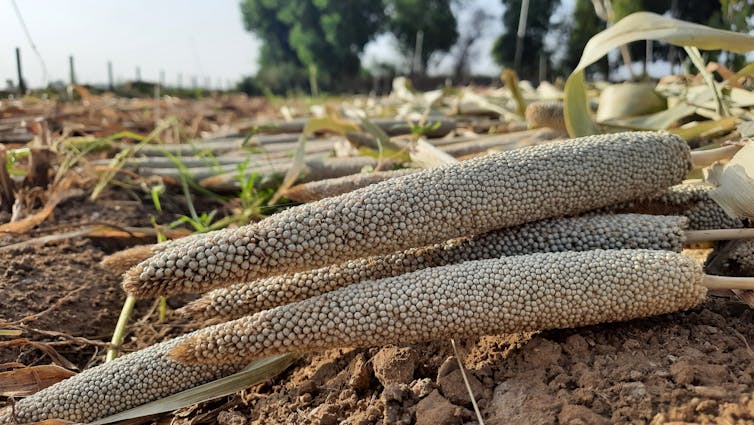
(688, 372)
(541, 353)
(307, 387)
(576, 347)
(421, 387)
(394, 392)
(512, 404)
(684, 413)
(706, 406)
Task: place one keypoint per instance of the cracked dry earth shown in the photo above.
(691, 367)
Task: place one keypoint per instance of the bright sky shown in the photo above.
(196, 38)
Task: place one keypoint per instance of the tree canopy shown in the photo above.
(584, 25)
(326, 34)
(538, 25)
(434, 18)
(327, 37)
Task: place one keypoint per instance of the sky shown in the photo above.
(202, 39)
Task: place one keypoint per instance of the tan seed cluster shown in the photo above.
(499, 190)
(113, 387)
(121, 261)
(546, 114)
(511, 294)
(621, 231)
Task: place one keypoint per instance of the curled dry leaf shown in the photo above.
(634, 27)
(735, 183)
(28, 380)
(35, 219)
(629, 100)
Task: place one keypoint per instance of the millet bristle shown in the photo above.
(119, 262)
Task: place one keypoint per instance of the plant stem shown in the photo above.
(120, 328)
(726, 282)
(466, 381)
(693, 236)
(707, 157)
(163, 310)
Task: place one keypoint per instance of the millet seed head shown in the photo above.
(511, 294)
(691, 200)
(621, 231)
(113, 387)
(546, 114)
(499, 190)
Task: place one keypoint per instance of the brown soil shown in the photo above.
(691, 367)
(59, 287)
(686, 367)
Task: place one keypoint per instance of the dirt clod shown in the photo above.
(695, 372)
(450, 381)
(361, 374)
(325, 414)
(394, 365)
(573, 414)
(231, 417)
(437, 410)
(523, 400)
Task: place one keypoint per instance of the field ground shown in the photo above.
(690, 367)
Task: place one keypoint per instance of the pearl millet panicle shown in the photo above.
(620, 231)
(510, 294)
(432, 206)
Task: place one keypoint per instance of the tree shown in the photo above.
(325, 35)
(735, 16)
(538, 24)
(705, 12)
(435, 20)
(462, 52)
(584, 25)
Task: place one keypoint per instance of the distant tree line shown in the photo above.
(308, 43)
